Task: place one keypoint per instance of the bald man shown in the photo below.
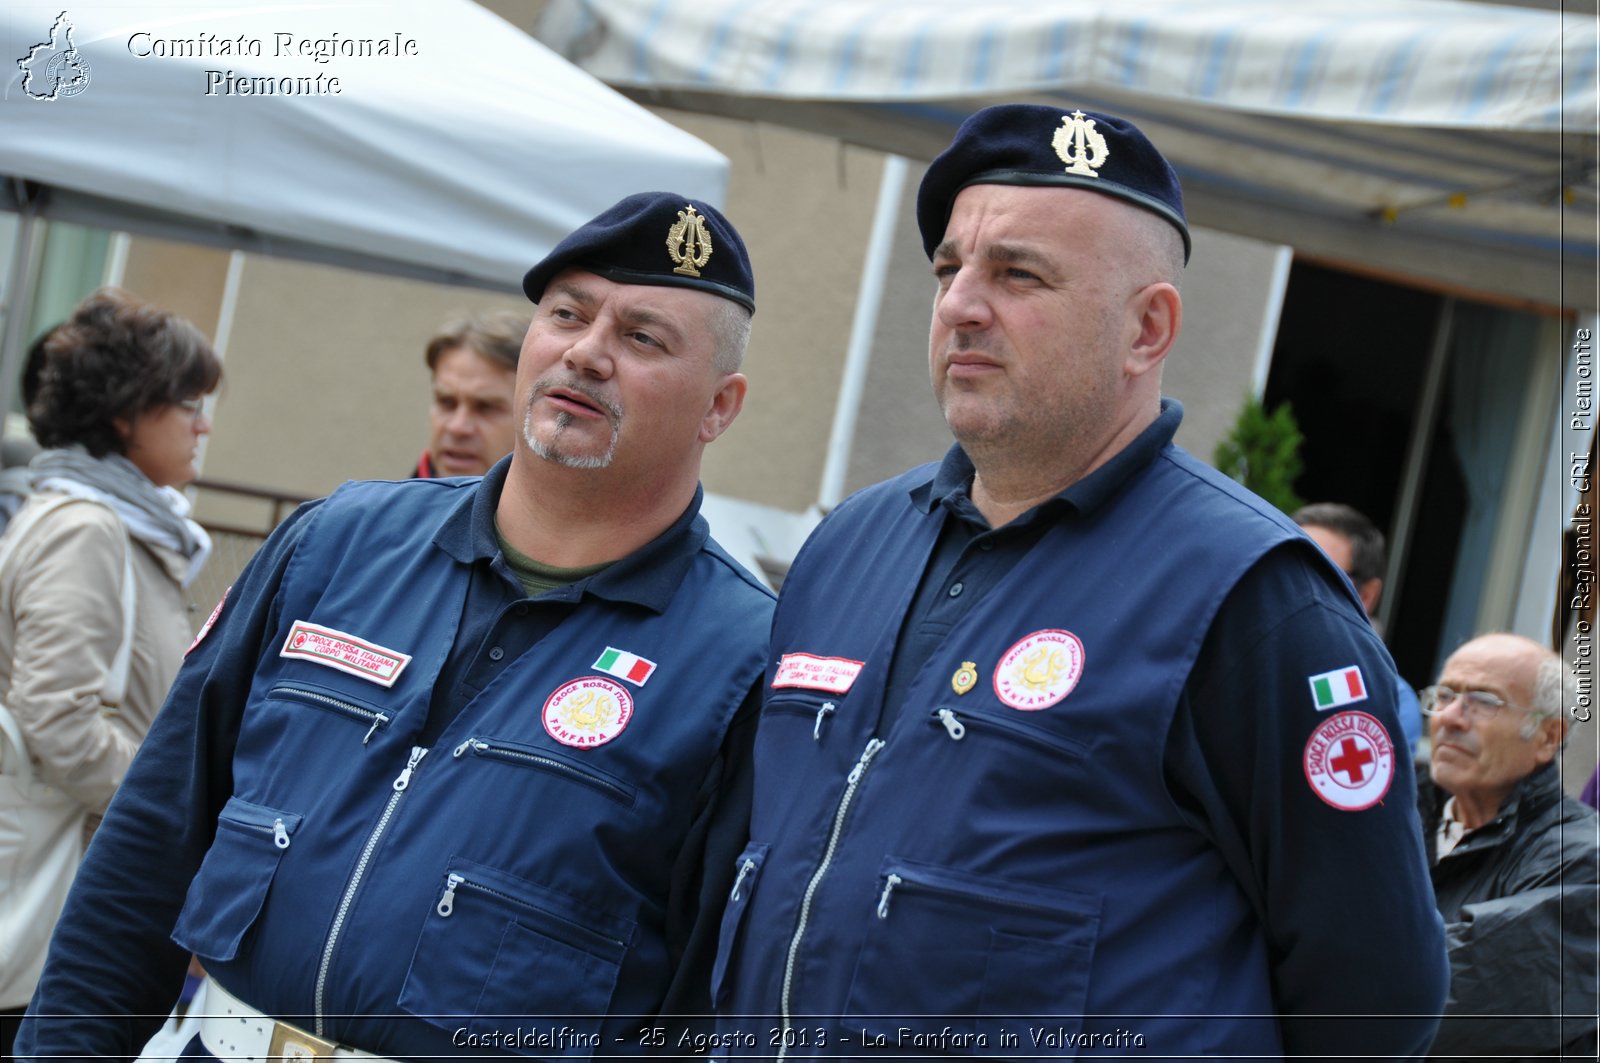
(1514, 861)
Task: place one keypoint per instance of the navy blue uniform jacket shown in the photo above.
(1123, 777)
(394, 799)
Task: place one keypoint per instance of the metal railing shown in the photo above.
(234, 544)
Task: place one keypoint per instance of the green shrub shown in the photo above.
(1262, 451)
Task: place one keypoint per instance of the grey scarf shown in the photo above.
(156, 515)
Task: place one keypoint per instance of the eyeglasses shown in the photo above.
(1477, 705)
(193, 407)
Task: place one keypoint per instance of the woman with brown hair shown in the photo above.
(93, 622)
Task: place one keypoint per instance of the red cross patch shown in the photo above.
(1349, 761)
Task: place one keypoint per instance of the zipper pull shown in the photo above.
(404, 778)
(378, 719)
(745, 869)
(447, 903)
(280, 835)
(463, 747)
(825, 711)
(866, 758)
(952, 726)
(888, 888)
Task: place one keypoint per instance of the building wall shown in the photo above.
(1229, 293)
(804, 206)
(325, 376)
(325, 380)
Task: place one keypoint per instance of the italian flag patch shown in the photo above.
(625, 665)
(1341, 687)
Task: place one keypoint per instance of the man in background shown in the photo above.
(472, 423)
(1355, 544)
(1514, 861)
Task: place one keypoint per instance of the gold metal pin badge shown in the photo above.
(689, 242)
(1080, 145)
(966, 677)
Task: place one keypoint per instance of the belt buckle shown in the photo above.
(292, 1044)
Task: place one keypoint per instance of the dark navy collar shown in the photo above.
(950, 485)
(648, 577)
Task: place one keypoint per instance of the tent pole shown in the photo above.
(20, 284)
(858, 358)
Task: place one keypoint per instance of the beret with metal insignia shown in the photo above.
(655, 238)
(1029, 144)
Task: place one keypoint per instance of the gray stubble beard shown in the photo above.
(552, 451)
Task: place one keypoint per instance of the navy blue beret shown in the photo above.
(656, 238)
(1029, 144)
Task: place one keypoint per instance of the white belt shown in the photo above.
(232, 1029)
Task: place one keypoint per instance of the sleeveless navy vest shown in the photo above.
(934, 876)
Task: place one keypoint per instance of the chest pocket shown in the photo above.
(981, 956)
(810, 707)
(1026, 733)
(227, 894)
(745, 881)
(302, 694)
(503, 957)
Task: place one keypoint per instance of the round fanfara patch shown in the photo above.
(1040, 670)
(1350, 761)
(587, 712)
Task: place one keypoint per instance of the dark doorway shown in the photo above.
(1413, 406)
(1351, 357)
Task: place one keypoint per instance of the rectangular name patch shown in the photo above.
(809, 672)
(336, 649)
(1332, 689)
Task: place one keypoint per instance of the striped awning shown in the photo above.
(1442, 138)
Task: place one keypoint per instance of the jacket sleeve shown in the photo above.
(67, 611)
(1354, 940)
(113, 973)
(1516, 964)
(703, 875)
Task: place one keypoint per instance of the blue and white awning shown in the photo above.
(1447, 138)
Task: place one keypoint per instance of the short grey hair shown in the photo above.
(1547, 698)
(730, 335)
(1547, 687)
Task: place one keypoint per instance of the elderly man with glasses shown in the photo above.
(1514, 861)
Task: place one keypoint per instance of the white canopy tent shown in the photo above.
(1440, 138)
(461, 159)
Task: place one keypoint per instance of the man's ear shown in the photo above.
(725, 406)
(1547, 737)
(1158, 311)
(1370, 591)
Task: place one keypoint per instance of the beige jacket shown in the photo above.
(60, 627)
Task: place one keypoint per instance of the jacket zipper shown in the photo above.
(398, 787)
(371, 717)
(851, 782)
(478, 745)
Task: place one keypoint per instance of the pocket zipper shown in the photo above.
(894, 882)
(744, 872)
(956, 727)
(502, 752)
(372, 717)
(447, 904)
